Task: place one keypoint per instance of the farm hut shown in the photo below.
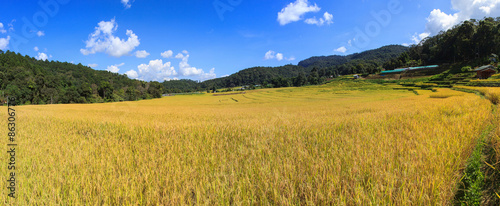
(356, 76)
(485, 72)
(494, 58)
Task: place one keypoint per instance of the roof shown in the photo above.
(409, 69)
(424, 67)
(486, 67)
(393, 71)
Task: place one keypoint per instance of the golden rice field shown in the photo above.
(336, 144)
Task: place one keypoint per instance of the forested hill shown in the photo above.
(379, 55)
(256, 75)
(43, 82)
(325, 67)
(471, 43)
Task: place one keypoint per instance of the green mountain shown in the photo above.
(33, 81)
(379, 55)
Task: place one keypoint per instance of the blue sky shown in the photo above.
(161, 40)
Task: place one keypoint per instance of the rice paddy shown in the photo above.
(343, 143)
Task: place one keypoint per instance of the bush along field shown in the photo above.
(342, 143)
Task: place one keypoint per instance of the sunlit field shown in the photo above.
(336, 144)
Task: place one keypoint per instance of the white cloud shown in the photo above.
(269, 55)
(327, 19)
(141, 54)
(114, 68)
(42, 56)
(439, 20)
(349, 42)
(179, 56)
(279, 56)
(103, 40)
(156, 70)
(132, 74)
(417, 38)
(341, 49)
(206, 76)
(466, 9)
(127, 3)
(294, 11)
(93, 65)
(187, 70)
(4, 43)
(2, 30)
(167, 54)
(36, 49)
(40, 33)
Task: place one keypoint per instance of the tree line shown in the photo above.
(51, 82)
(471, 42)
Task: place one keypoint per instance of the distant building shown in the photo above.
(485, 72)
(494, 58)
(409, 69)
(356, 76)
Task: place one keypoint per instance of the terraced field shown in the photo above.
(344, 143)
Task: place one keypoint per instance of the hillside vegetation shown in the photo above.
(471, 42)
(48, 82)
(311, 71)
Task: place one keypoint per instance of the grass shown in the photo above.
(344, 143)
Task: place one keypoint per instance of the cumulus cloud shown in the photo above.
(141, 54)
(156, 70)
(269, 55)
(42, 56)
(93, 65)
(187, 70)
(132, 74)
(114, 68)
(4, 43)
(103, 40)
(2, 29)
(327, 19)
(295, 11)
(179, 56)
(417, 38)
(206, 76)
(278, 56)
(36, 48)
(341, 49)
(167, 54)
(40, 33)
(127, 3)
(466, 9)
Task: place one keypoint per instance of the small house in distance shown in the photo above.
(485, 72)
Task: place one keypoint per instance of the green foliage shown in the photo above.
(471, 186)
(53, 82)
(472, 41)
(466, 69)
